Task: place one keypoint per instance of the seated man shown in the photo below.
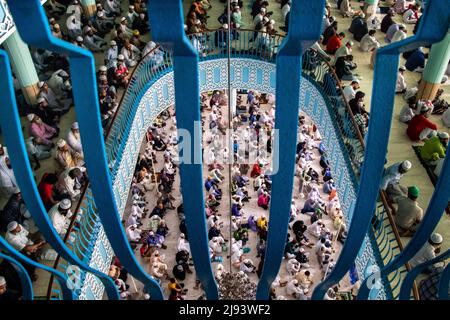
(391, 180)
(67, 157)
(428, 252)
(434, 148)
(70, 182)
(42, 133)
(408, 215)
(17, 236)
(60, 216)
(420, 128)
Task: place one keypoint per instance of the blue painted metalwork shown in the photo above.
(412, 275)
(32, 24)
(386, 66)
(25, 281)
(304, 27)
(170, 28)
(385, 77)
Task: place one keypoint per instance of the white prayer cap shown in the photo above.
(295, 281)
(75, 126)
(238, 25)
(123, 19)
(51, 20)
(120, 57)
(272, 22)
(142, 16)
(2, 281)
(88, 29)
(197, 21)
(350, 43)
(65, 204)
(225, 26)
(40, 84)
(263, 10)
(246, 261)
(236, 7)
(100, 14)
(56, 26)
(182, 235)
(113, 43)
(30, 116)
(443, 135)
(402, 68)
(63, 73)
(401, 26)
(123, 295)
(79, 39)
(362, 15)
(61, 143)
(146, 296)
(103, 68)
(151, 233)
(436, 238)
(12, 225)
(40, 100)
(131, 7)
(406, 165)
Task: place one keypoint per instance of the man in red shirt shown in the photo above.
(420, 127)
(335, 42)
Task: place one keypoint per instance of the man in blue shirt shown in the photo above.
(416, 61)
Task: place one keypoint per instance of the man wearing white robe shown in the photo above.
(60, 215)
(73, 26)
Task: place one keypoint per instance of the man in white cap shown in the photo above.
(434, 148)
(131, 54)
(55, 103)
(59, 82)
(17, 237)
(103, 23)
(92, 41)
(121, 74)
(401, 85)
(70, 182)
(133, 234)
(73, 138)
(236, 16)
(428, 252)
(349, 91)
(60, 215)
(247, 266)
(391, 180)
(73, 25)
(42, 132)
(6, 294)
(66, 156)
(111, 55)
(131, 15)
(55, 8)
(124, 27)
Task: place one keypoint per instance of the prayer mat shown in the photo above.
(428, 168)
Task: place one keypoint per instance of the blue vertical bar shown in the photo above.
(304, 30)
(168, 27)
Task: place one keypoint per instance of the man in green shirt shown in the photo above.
(434, 148)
